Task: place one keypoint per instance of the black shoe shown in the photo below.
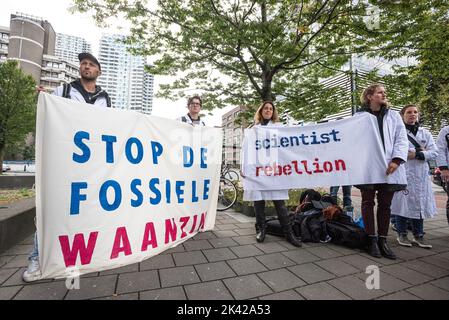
(290, 236)
(385, 249)
(260, 234)
(373, 248)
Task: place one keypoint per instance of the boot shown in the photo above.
(290, 236)
(385, 249)
(260, 233)
(373, 248)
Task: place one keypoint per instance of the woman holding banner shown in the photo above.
(267, 115)
(395, 143)
(419, 202)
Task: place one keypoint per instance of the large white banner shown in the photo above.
(344, 152)
(115, 187)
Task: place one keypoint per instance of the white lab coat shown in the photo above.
(257, 195)
(443, 150)
(419, 203)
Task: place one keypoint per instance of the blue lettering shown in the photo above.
(109, 147)
(194, 196)
(206, 189)
(76, 197)
(139, 200)
(157, 150)
(203, 164)
(155, 190)
(180, 191)
(128, 152)
(187, 156)
(78, 140)
(117, 195)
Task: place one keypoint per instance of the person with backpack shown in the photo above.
(419, 202)
(267, 115)
(395, 144)
(193, 118)
(85, 90)
(443, 160)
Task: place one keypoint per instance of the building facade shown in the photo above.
(124, 76)
(68, 47)
(233, 129)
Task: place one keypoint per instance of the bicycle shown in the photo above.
(227, 194)
(228, 173)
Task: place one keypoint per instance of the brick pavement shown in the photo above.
(228, 263)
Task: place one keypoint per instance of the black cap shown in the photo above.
(89, 56)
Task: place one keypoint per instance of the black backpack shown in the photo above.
(343, 231)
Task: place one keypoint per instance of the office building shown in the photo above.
(68, 47)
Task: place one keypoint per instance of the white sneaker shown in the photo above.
(33, 273)
(420, 242)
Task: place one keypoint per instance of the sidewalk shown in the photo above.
(228, 263)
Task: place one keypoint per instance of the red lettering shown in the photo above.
(268, 170)
(170, 230)
(277, 170)
(79, 246)
(338, 163)
(287, 170)
(195, 219)
(327, 166)
(121, 237)
(149, 237)
(202, 221)
(257, 171)
(184, 221)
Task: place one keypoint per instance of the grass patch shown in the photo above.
(12, 195)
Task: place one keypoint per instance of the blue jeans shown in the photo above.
(347, 202)
(417, 226)
(34, 254)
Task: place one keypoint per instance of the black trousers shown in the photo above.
(281, 210)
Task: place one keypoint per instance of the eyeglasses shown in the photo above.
(195, 104)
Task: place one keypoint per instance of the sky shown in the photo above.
(82, 25)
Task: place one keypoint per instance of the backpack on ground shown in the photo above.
(343, 231)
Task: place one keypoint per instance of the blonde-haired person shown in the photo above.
(395, 144)
(419, 202)
(267, 115)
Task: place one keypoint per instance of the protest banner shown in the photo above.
(344, 152)
(115, 187)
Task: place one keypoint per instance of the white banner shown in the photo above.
(344, 152)
(116, 187)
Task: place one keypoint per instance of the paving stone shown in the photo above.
(426, 268)
(246, 225)
(220, 254)
(285, 295)
(270, 247)
(324, 253)
(245, 232)
(175, 293)
(429, 292)
(5, 274)
(437, 260)
(406, 274)
(223, 242)
(401, 295)
(442, 283)
(137, 281)
(281, 280)
(7, 293)
(197, 245)
(321, 291)
(311, 273)
(5, 259)
(205, 235)
(342, 250)
(337, 267)
(387, 282)
(227, 226)
(413, 253)
(18, 249)
(29, 240)
(129, 268)
(246, 251)
(16, 279)
(355, 288)
(381, 261)
(214, 290)
(300, 256)
(128, 296)
(360, 262)
(157, 262)
(224, 233)
(189, 258)
(178, 276)
(247, 287)
(19, 261)
(214, 271)
(246, 266)
(178, 248)
(91, 288)
(43, 291)
(243, 240)
(275, 261)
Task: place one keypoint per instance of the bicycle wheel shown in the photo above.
(232, 175)
(227, 194)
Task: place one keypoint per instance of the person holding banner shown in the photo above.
(443, 160)
(419, 202)
(84, 89)
(194, 105)
(395, 143)
(267, 115)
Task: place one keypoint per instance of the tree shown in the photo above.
(17, 105)
(244, 51)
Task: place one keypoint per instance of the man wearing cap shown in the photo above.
(193, 116)
(85, 90)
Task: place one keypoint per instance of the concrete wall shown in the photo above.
(16, 182)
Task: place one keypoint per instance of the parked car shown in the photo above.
(6, 168)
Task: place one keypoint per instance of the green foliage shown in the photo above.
(17, 105)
